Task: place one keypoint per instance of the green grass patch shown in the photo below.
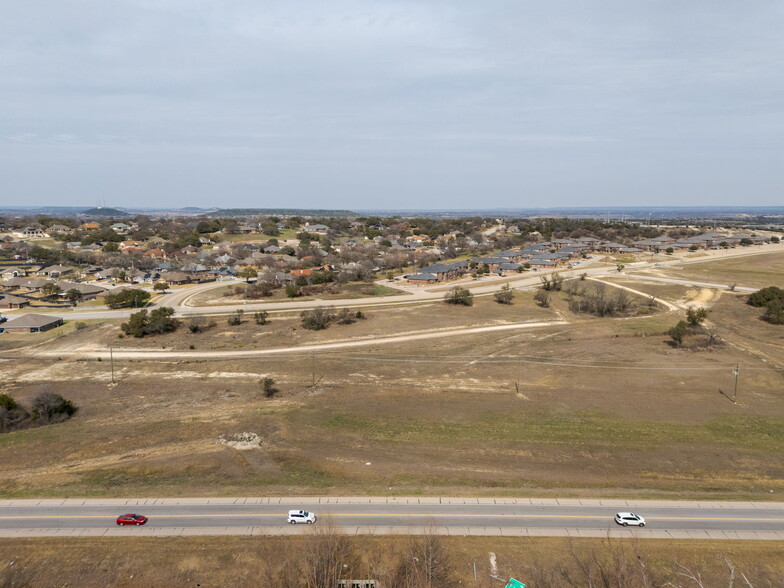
(573, 429)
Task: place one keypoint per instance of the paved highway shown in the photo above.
(461, 516)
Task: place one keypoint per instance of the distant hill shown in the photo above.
(283, 212)
(101, 211)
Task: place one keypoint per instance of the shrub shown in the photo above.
(80, 325)
(505, 295)
(762, 297)
(293, 290)
(694, 316)
(553, 282)
(774, 312)
(49, 407)
(12, 416)
(128, 297)
(596, 300)
(542, 297)
(156, 322)
(260, 289)
(346, 317)
(459, 295)
(261, 317)
(268, 387)
(317, 318)
(235, 318)
(678, 332)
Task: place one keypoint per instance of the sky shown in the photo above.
(391, 104)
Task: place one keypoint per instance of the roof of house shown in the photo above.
(83, 288)
(12, 299)
(32, 321)
(422, 277)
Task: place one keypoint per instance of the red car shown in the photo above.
(131, 519)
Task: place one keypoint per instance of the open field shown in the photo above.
(352, 290)
(754, 271)
(593, 407)
(255, 561)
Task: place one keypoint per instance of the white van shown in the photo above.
(301, 516)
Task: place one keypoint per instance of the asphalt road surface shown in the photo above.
(399, 515)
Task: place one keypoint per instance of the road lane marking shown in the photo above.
(406, 515)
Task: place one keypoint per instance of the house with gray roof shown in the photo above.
(423, 278)
(10, 302)
(31, 323)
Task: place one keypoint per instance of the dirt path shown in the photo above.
(669, 305)
(155, 354)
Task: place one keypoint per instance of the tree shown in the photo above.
(620, 267)
(161, 286)
(160, 321)
(317, 318)
(261, 317)
(136, 324)
(669, 251)
(73, 295)
(50, 290)
(542, 296)
(774, 312)
(248, 273)
(49, 407)
(775, 240)
(762, 297)
(235, 318)
(345, 317)
(120, 275)
(459, 295)
(127, 297)
(505, 295)
(12, 415)
(678, 332)
(694, 316)
(110, 248)
(268, 387)
(156, 322)
(553, 282)
(293, 290)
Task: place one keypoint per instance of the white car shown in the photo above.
(301, 516)
(629, 518)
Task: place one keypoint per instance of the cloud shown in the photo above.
(551, 95)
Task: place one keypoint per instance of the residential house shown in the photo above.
(155, 254)
(422, 278)
(176, 278)
(316, 228)
(88, 291)
(13, 272)
(9, 302)
(120, 228)
(58, 230)
(125, 245)
(89, 226)
(31, 323)
(32, 232)
(55, 271)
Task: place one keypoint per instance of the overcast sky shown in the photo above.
(391, 104)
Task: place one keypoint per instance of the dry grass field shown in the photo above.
(257, 561)
(755, 271)
(586, 408)
(350, 290)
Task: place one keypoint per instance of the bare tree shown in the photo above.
(326, 555)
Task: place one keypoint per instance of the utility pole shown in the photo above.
(111, 361)
(736, 373)
(313, 369)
